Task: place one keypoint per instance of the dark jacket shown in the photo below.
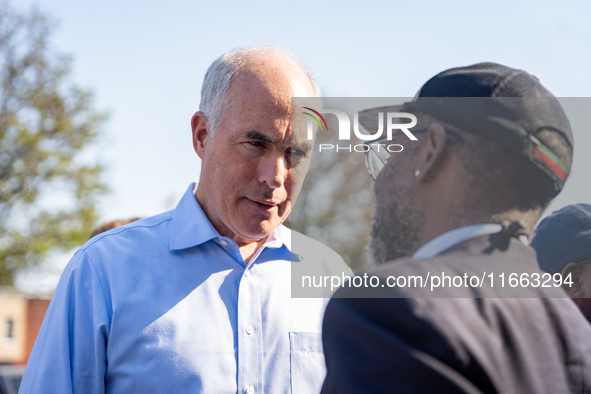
(530, 343)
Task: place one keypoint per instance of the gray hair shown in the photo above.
(219, 76)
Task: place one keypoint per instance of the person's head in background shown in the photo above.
(563, 245)
(495, 147)
(111, 225)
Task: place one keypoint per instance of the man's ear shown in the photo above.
(201, 134)
(434, 153)
(574, 291)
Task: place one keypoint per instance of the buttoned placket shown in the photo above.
(249, 330)
(250, 335)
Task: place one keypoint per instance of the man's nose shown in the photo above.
(272, 171)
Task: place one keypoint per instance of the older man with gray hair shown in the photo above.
(198, 299)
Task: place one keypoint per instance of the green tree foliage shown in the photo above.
(45, 125)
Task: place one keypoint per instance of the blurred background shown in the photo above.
(97, 96)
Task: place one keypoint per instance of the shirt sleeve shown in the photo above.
(69, 355)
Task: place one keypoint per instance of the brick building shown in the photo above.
(20, 320)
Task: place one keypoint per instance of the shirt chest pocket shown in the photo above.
(307, 366)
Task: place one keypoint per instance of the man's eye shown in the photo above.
(298, 152)
(257, 144)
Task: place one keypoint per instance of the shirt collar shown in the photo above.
(190, 226)
(279, 237)
(454, 237)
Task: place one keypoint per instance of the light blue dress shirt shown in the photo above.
(167, 305)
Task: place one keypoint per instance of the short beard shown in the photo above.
(396, 232)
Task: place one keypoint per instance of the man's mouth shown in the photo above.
(263, 204)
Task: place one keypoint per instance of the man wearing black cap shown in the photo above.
(563, 245)
(496, 148)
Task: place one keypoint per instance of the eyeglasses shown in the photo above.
(377, 155)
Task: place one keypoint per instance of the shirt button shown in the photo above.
(247, 273)
(249, 331)
(223, 242)
(250, 390)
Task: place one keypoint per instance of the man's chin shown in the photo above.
(387, 244)
(261, 230)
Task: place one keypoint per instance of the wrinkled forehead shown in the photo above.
(266, 123)
(260, 100)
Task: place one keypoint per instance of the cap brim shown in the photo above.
(368, 118)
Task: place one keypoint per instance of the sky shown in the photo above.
(145, 61)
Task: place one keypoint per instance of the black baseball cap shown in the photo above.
(563, 237)
(506, 105)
